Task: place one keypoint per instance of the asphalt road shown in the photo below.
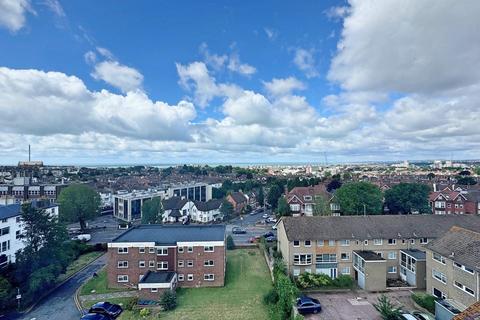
(59, 305)
(252, 223)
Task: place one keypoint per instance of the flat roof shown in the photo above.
(368, 255)
(158, 277)
(419, 255)
(171, 234)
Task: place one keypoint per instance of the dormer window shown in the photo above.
(307, 198)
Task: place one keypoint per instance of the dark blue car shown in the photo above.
(106, 308)
(306, 305)
(95, 316)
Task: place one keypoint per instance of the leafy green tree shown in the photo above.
(321, 206)
(334, 185)
(477, 171)
(152, 211)
(230, 243)
(226, 209)
(386, 309)
(466, 181)
(430, 175)
(260, 196)
(79, 203)
(169, 300)
(6, 293)
(356, 197)
(287, 292)
(464, 173)
(407, 198)
(283, 209)
(273, 195)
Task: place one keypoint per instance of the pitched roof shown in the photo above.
(10, 211)
(174, 203)
(375, 226)
(238, 197)
(471, 313)
(464, 244)
(447, 193)
(312, 191)
(212, 204)
(171, 234)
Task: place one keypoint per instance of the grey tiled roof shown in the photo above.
(173, 203)
(463, 243)
(238, 197)
(171, 234)
(10, 211)
(212, 204)
(375, 227)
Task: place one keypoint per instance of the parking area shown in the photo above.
(356, 305)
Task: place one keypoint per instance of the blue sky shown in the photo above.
(206, 81)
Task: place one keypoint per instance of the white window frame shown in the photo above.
(122, 264)
(345, 243)
(141, 264)
(181, 277)
(441, 276)
(124, 278)
(153, 289)
(320, 243)
(151, 250)
(180, 249)
(208, 263)
(342, 271)
(181, 263)
(441, 260)
(190, 249)
(122, 250)
(392, 254)
(296, 245)
(348, 256)
(331, 243)
(163, 251)
(394, 242)
(163, 265)
(208, 277)
(394, 269)
(141, 250)
(209, 249)
(377, 242)
(309, 243)
(151, 263)
(190, 263)
(190, 277)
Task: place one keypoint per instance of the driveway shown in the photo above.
(356, 305)
(59, 305)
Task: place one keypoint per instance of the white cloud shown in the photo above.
(281, 87)
(236, 65)
(271, 33)
(231, 62)
(55, 7)
(90, 57)
(118, 75)
(216, 61)
(305, 61)
(12, 13)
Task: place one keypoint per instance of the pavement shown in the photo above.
(108, 296)
(356, 305)
(59, 305)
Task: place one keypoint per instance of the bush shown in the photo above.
(144, 313)
(169, 300)
(425, 301)
(130, 304)
(271, 297)
(310, 280)
(279, 267)
(343, 281)
(230, 243)
(299, 317)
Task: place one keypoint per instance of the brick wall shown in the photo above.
(198, 270)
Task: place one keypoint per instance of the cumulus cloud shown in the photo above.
(281, 87)
(305, 61)
(236, 65)
(12, 13)
(231, 62)
(118, 75)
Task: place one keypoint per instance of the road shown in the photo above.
(254, 224)
(59, 305)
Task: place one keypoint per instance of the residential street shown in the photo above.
(59, 305)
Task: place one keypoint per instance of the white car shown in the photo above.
(84, 237)
(265, 216)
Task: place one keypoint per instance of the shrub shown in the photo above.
(299, 317)
(130, 304)
(144, 313)
(271, 297)
(310, 280)
(425, 301)
(279, 267)
(343, 281)
(230, 243)
(287, 292)
(386, 309)
(169, 300)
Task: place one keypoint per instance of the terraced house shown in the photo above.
(372, 249)
(155, 258)
(453, 271)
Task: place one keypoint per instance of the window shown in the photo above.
(377, 242)
(295, 207)
(365, 242)
(296, 243)
(439, 294)
(181, 277)
(302, 259)
(154, 290)
(392, 242)
(345, 270)
(357, 242)
(17, 219)
(296, 272)
(5, 245)
(379, 253)
(308, 243)
(344, 243)
(308, 270)
(189, 277)
(423, 240)
(209, 277)
(464, 288)
(180, 263)
(180, 249)
(122, 250)
(208, 263)
(392, 255)
(326, 258)
(18, 235)
(162, 251)
(412, 241)
(438, 258)
(141, 264)
(307, 198)
(141, 250)
(439, 276)
(151, 264)
(319, 243)
(4, 231)
(464, 268)
(392, 269)
(208, 249)
(162, 265)
(331, 243)
(189, 263)
(190, 249)
(404, 241)
(151, 250)
(122, 278)
(345, 256)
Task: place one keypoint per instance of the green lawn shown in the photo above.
(79, 263)
(99, 284)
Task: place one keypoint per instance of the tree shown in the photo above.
(321, 206)
(261, 196)
(430, 175)
(152, 211)
(466, 180)
(386, 309)
(464, 173)
(79, 203)
(477, 171)
(169, 300)
(283, 209)
(6, 293)
(334, 185)
(355, 198)
(273, 195)
(226, 209)
(230, 243)
(405, 198)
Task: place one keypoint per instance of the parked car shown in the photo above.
(83, 237)
(268, 234)
(238, 230)
(106, 308)
(271, 239)
(95, 316)
(271, 220)
(306, 305)
(422, 315)
(407, 316)
(265, 216)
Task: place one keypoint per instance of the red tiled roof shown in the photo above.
(312, 191)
